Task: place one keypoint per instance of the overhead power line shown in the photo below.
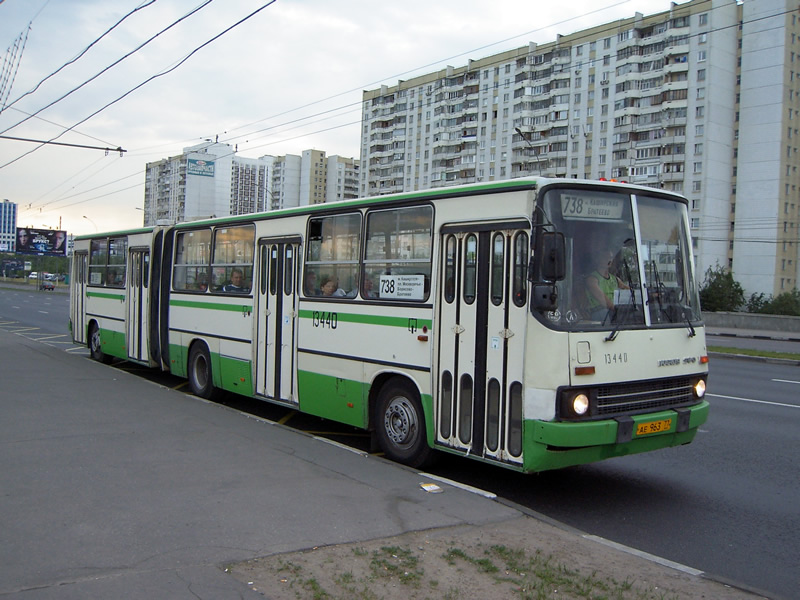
(78, 57)
(148, 80)
(111, 66)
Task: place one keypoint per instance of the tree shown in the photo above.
(720, 291)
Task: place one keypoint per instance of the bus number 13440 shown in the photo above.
(325, 319)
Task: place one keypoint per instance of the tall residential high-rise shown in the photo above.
(211, 180)
(702, 99)
(342, 181)
(8, 226)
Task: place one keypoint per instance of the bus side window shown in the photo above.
(332, 253)
(398, 244)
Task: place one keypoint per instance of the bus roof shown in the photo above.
(523, 183)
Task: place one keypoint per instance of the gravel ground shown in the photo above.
(520, 558)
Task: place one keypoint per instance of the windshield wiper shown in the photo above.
(615, 331)
(692, 332)
(660, 289)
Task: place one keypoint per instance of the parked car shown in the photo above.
(47, 285)
(33, 275)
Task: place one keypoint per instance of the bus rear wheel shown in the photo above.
(95, 345)
(400, 425)
(201, 380)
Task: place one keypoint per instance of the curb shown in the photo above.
(764, 359)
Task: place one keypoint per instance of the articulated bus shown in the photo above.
(458, 319)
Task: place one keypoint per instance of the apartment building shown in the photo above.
(701, 99)
(196, 184)
(342, 179)
(209, 179)
(8, 226)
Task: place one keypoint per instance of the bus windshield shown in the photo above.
(628, 260)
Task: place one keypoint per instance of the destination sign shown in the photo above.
(592, 207)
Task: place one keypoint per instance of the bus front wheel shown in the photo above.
(95, 345)
(201, 380)
(400, 425)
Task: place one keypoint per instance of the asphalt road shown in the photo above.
(48, 311)
(726, 504)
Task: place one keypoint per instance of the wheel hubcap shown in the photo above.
(200, 372)
(400, 421)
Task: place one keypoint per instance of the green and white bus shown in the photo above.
(457, 319)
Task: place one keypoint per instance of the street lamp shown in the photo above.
(92, 222)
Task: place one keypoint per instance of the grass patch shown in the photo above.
(750, 352)
(393, 561)
(456, 572)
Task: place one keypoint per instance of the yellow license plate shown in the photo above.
(653, 427)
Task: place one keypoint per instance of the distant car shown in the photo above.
(33, 275)
(48, 285)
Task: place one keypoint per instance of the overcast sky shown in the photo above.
(288, 78)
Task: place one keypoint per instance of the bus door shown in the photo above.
(482, 303)
(276, 337)
(80, 261)
(138, 306)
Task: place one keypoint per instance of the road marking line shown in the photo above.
(785, 381)
(755, 401)
(49, 337)
(286, 417)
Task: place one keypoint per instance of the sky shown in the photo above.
(287, 76)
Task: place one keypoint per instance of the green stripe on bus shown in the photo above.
(371, 319)
(212, 305)
(102, 295)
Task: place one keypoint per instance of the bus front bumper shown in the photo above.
(554, 445)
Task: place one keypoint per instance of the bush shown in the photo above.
(720, 291)
(787, 303)
(757, 302)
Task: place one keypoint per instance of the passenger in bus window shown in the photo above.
(330, 287)
(601, 284)
(369, 287)
(236, 284)
(310, 287)
(202, 281)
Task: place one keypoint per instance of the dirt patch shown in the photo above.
(521, 558)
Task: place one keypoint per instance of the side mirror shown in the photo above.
(551, 250)
(545, 297)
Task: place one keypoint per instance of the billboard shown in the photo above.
(204, 168)
(43, 242)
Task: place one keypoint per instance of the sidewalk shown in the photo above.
(116, 487)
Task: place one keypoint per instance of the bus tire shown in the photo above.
(201, 379)
(95, 345)
(400, 424)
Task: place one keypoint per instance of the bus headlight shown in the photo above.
(580, 404)
(700, 388)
